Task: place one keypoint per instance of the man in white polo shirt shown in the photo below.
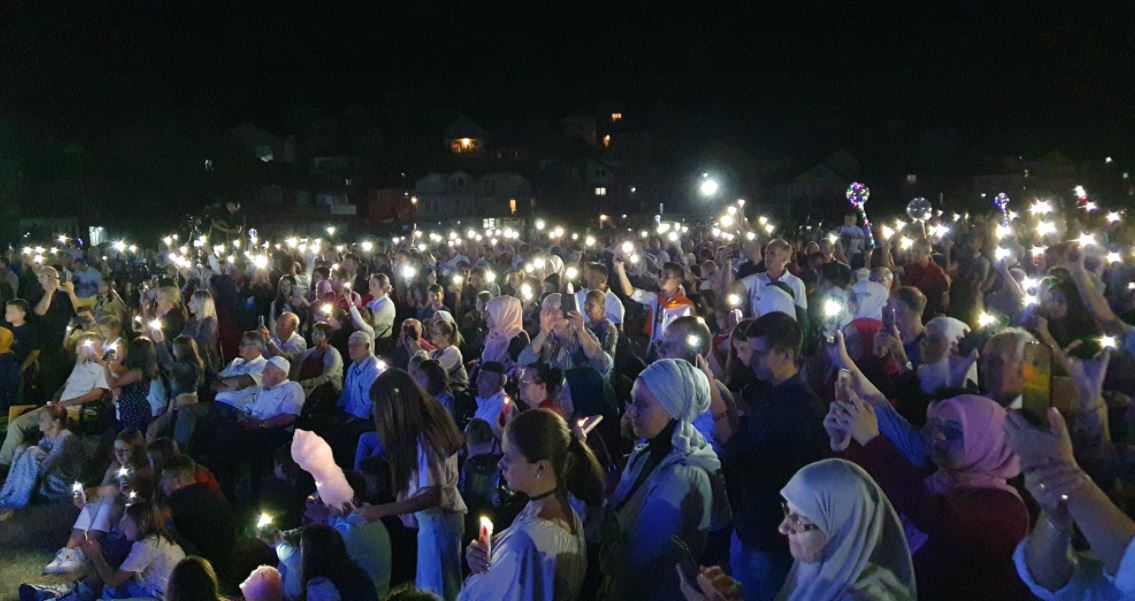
(264, 424)
(236, 384)
(777, 254)
(86, 384)
(286, 342)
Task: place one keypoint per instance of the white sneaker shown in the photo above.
(65, 562)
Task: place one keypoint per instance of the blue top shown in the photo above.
(355, 399)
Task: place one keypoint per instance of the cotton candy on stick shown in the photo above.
(313, 454)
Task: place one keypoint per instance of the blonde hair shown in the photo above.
(169, 294)
(202, 301)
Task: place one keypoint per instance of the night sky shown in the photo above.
(887, 86)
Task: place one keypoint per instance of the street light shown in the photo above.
(708, 187)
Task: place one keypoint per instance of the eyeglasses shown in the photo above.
(795, 524)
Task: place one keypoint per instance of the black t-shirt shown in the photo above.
(24, 341)
(53, 324)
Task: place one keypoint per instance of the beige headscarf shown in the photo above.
(866, 555)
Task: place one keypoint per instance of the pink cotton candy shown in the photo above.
(313, 454)
(263, 584)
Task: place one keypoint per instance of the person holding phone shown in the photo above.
(565, 342)
(539, 556)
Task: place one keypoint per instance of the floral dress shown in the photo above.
(49, 467)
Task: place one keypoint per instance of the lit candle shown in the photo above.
(326, 309)
(485, 537)
(263, 521)
(985, 320)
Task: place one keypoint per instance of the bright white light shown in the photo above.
(540, 225)
(1090, 206)
(985, 320)
(1108, 342)
(1113, 257)
(905, 243)
(589, 241)
(708, 187)
(1029, 300)
(1045, 228)
(938, 231)
(260, 261)
(634, 259)
(119, 245)
(330, 230)
(726, 221)
(1002, 231)
(1114, 216)
(571, 272)
(627, 247)
(263, 521)
(734, 300)
(526, 291)
(832, 308)
(673, 236)
(155, 324)
(1038, 251)
(1040, 207)
(887, 232)
(1086, 239)
(731, 210)
(409, 272)
(367, 246)
(490, 276)
(457, 280)
(693, 341)
(769, 227)
(762, 220)
(833, 238)
(1080, 192)
(1002, 253)
(539, 262)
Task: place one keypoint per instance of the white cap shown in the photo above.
(281, 363)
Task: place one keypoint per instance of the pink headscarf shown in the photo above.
(508, 321)
(988, 461)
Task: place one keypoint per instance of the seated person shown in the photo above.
(100, 507)
(266, 423)
(47, 468)
(201, 515)
(87, 383)
(237, 383)
(354, 415)
(286, 341)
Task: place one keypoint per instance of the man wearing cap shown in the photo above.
(355, 403)
(265, 424)
(490, 394)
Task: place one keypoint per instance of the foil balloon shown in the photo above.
(919, 209)
(857, 195)
(1001, 201)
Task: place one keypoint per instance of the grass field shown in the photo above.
(28, 541)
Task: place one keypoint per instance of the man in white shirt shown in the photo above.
(236, 384)
(265, 424)
(597, 277)
(666, 305)
(355, 405)
(490, 395)
(777, 254)
(87, 383)
(286, 342)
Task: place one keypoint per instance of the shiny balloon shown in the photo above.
(919, 209)
(857, 194)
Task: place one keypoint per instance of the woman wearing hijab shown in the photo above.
(504, 317)
(669, 490)
(844, 536)
(967, 519)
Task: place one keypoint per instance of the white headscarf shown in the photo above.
(683, 391)
(508, 321)
(936, 376)
(866, 552)
(870, 298)
(772, 299)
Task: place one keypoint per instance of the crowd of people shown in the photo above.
(926, 408)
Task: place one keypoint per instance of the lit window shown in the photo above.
(616, 116)
(911, 178)
(461, 145)
(600, 191)
(512, 206)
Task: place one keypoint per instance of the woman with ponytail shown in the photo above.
(542, 556)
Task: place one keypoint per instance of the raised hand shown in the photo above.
(960, 364)
(1038, 446)
(838, 432)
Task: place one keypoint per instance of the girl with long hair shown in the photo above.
(203, 329)
(542, 555)
(422, 441)
(444, 336)
(430, 375)
(147, 568)
(130, 384)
